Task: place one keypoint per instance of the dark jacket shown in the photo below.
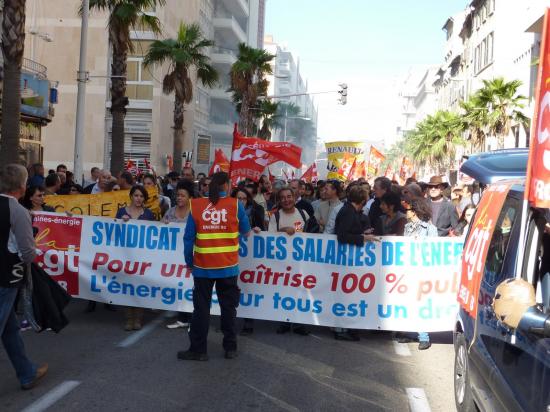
(88, 189)
(374, 216)
(257, 216)
(351, 224)
(48, 301)
(305, 205)
(447, 219)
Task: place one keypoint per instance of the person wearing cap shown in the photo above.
(444, 215)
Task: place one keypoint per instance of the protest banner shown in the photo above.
(100, 204)
(476, 246)
(336, 154)
(397, 284)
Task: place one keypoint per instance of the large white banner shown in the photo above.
(401, 284)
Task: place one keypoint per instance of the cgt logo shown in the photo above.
(214, 216)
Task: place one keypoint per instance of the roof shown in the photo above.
(491, 167)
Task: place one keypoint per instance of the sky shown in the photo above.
(369, 45)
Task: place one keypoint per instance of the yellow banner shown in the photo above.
(100, 204)
(336, 151)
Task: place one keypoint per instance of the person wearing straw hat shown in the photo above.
(444, 215)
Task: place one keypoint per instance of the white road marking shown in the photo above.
(51, 397)
(136, 336)
(315, 336)
(280, 403)
(402, 349)
(418, 401)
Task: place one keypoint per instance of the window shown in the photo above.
(139, 80)
(490, 46)
(499, 241)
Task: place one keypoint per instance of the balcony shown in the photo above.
(30, 66)
(223, 56)
(238, 7)
(228, 27)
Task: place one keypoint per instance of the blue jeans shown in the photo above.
(11, 337)
(423, 337)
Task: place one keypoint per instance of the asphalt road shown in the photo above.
(96, 366)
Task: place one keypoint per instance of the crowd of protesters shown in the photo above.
(354, 211)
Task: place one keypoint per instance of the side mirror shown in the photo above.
(515, 306)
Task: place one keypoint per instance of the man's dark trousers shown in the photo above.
(228, 297)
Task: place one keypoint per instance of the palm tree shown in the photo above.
(475, 122)
(183, 53)
(124, 15)
(13, 40)
(248, 82)
(268, 116)
(502, 104)
(435, 139)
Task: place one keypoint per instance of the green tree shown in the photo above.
(503, 104)
(492, 110)
(13, 41)
(476, 122)
(124, 16)
(248, 82)
(268, 116)
(435, 139)
(183, 53)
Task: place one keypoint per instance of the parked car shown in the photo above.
(502, 356)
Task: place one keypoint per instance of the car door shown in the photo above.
(487, 351)
(525, 364)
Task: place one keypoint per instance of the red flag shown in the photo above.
(310, 175)
(221, 163)
(251, 155)
(271, 177)
(170, 163)
(352, 171)
(375, 160)
(537, 183)
(130, 164)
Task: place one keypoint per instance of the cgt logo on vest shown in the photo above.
(214, 216)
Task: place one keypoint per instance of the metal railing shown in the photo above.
(35, 67)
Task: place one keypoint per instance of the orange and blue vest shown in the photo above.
(217, 233)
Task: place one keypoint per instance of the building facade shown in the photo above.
(149, 118)
(287, 82)
(487, 40)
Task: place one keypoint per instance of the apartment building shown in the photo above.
(287, 81)
(495, 39)
(148, 123)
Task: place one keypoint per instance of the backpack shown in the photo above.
(310, 225)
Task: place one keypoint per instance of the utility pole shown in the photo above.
(82, 78)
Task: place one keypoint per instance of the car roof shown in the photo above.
(494, 166)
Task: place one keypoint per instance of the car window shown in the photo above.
(499, 242)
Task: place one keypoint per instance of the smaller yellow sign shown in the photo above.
(100, 204)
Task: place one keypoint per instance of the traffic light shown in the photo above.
(343, 93)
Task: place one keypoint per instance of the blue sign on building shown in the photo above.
(35, 96)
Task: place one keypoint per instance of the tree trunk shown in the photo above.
(13, 39)
(243, 115)
(178, 134)
(119, 101)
